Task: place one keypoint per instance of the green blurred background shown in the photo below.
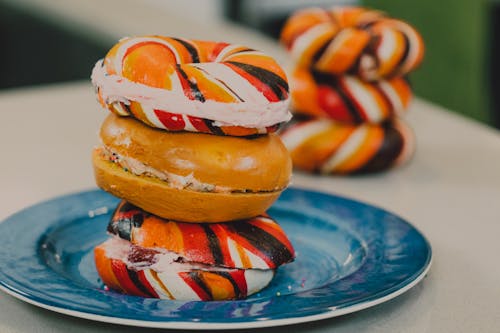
(455, 70)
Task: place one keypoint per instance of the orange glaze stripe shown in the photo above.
(355, 47)
(343, 148)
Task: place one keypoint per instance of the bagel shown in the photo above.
(190, 177)
(352, 40)
(153, 257)
(199, 86)
(325, 146)
(347, 98)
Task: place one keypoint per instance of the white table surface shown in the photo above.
(450, 191)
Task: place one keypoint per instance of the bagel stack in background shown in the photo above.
(190, 147)
(349, 89)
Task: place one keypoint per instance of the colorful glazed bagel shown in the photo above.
(352, 40)
(326, 146)
(258, 242)
(197, 86)
(347, 98)
(183, 283)
(152, 257)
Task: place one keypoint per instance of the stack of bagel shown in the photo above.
(190, 147)
(349, 89)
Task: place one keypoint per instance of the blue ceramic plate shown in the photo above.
(350, 256)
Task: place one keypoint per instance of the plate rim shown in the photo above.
(331, 312)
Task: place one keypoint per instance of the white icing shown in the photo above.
(347, 149)
(163, 261)
(365, 98)
(297, 135)
(251, 114)
(393, 96)
(387, 45)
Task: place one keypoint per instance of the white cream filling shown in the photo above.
(251, 114)
(175, 181)
(162, 261)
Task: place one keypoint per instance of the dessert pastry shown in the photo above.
(152, 257)
(347, 98)
(326, 146)
(187, 176)
(197, 86)
(189, 147)
(352, 40)
(349, 80)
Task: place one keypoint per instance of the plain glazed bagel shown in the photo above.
(152, 257)
(325, 146)
(198, 86)
(190, 176)
(347, 98)
(352, 40)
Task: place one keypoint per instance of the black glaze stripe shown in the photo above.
(124, 226)
(127, 107)
(276, 83)
(369, 50)
(192, 85)
(135, 279)
(193, 52)
(244, 50)
(124, 219)
(264, 242)
(367, 25)
(221, 82)
(195, 276)
(112, 225)
(236, 288)
(322, 49)
(388, 152)
(213, 244)
(124, 229)
(213, 129)
(334, 84)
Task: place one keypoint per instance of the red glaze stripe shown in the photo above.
(173, 122)
(238, 277)
(333, 105)
(121, 273)
(195, 283)
(144, 281)
(196, 244)
(262, 87)
(221, 234)
(199, 124)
